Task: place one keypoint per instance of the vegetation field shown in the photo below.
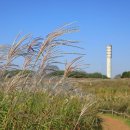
(31, 99)
(111, 94)
(75, 108)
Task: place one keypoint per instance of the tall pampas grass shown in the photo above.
(32, 100)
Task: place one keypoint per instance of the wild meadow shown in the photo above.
(111, 94)
(30, 100)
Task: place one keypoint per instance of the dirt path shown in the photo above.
(113, 124)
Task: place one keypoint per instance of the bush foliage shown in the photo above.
(126, 74)
(79, 74)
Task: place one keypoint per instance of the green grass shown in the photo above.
(42, 111)
(111, 94)
(31, 101)
(45, 109)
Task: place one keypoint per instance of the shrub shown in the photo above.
(126, 74)
(78, 74)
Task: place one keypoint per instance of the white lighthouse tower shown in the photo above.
(109, 61)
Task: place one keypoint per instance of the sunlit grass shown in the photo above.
(29, 100)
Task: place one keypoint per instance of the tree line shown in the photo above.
(73, 74)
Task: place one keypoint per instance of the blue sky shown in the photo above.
(101, 22)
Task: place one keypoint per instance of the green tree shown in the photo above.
(126, 74)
